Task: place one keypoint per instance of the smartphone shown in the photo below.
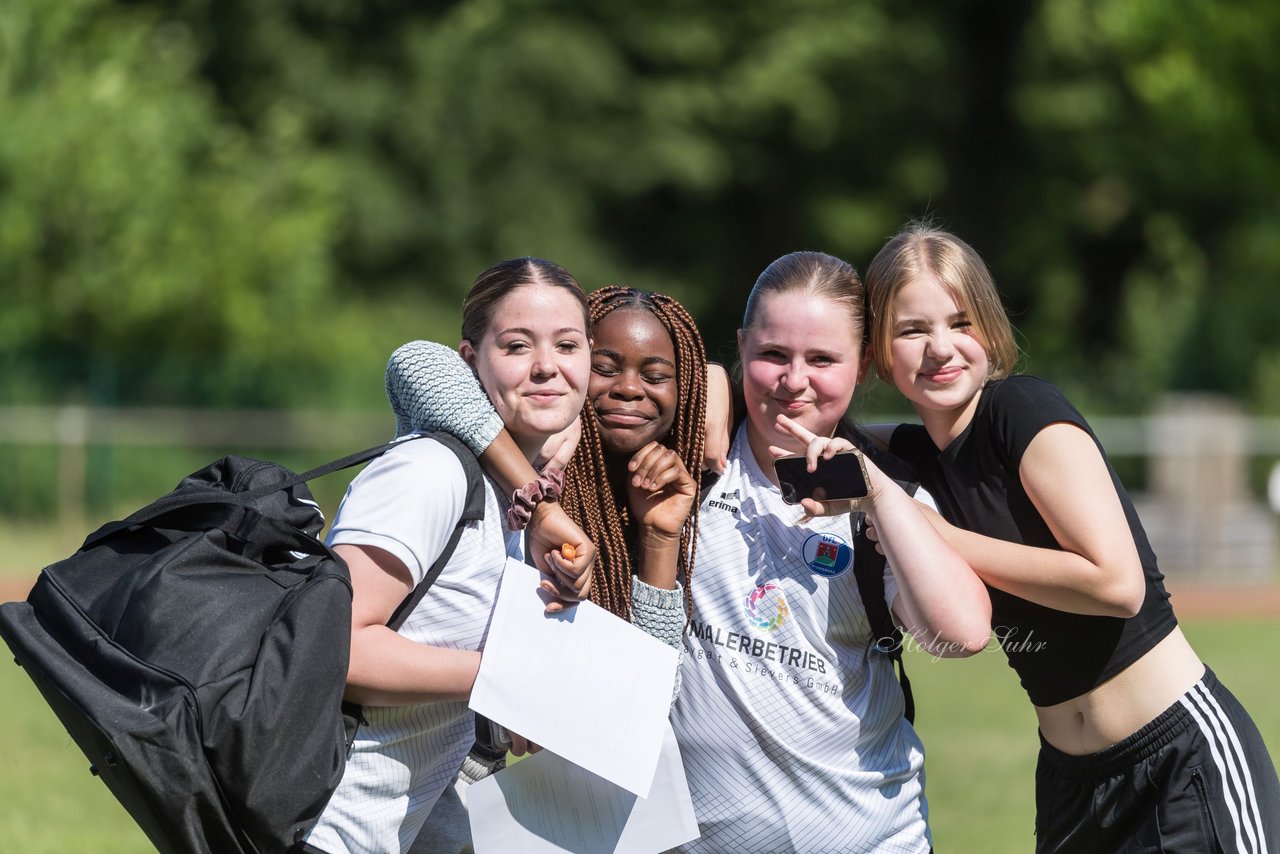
(498, 735)
(492, 739)
(841, 478)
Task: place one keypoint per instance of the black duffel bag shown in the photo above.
(197, 653)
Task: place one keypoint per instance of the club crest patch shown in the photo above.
(827, 555)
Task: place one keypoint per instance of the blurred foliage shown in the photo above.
(253, 203)
(147, 243)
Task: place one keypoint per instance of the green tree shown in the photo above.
(1135, 236)
(218, 199)
(151, 249)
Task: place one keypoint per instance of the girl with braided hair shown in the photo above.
(633, 481)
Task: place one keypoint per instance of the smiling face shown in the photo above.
(633, 387)
(801, 357)
(937, 359)
(533, 361)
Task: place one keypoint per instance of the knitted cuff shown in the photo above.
(432, 389)
(657, 611)
(660, 614)
(546, 487)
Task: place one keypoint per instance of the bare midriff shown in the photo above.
(1125, 703)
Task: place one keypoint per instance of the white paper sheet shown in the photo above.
(584, 684)
(546, 804)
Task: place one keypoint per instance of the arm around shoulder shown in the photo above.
(719, 421)
(431, 388)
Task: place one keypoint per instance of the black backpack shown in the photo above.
(197, 653)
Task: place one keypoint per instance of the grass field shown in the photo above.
(29, 546)
(977, 727)
(979, 734)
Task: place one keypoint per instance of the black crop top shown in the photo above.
(975, 481)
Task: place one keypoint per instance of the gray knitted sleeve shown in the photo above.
(660, 613)
(431, 388)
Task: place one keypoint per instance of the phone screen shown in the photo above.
(836, 479)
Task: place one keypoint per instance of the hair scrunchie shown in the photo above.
(546, 487)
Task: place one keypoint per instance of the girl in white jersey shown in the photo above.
(525, 332)
(790, 721)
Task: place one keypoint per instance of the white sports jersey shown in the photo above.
(407, 502)
(789, 724)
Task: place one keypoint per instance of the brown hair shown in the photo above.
(495, 284)
(922, 249)
(816, 273)
(598, 504)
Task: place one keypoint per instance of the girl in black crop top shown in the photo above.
(1142, 749)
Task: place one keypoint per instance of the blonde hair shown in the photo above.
(922, 249)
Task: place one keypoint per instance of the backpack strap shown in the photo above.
(709, 479)
(184, 503)
(868, 570)
(345, 463)
(472, 511)
(869, 565)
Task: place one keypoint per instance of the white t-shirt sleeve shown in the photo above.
(406, 502)
(890, 582)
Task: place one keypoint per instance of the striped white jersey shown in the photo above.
(789, 724)
(407, 502)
